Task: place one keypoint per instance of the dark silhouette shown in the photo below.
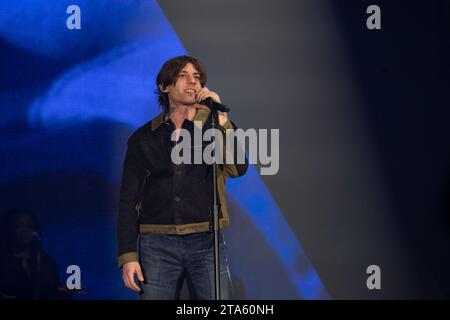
(26, 270)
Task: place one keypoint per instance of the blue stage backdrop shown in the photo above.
(69, 101)
(364, 175)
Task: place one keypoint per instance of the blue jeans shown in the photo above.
(167, 259)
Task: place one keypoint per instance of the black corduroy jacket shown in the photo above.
(158, 196)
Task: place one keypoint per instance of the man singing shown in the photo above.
(170, 205)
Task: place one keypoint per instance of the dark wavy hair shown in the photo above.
(168, 75)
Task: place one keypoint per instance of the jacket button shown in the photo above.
(177, 199)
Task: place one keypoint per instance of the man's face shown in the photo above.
(183, 91)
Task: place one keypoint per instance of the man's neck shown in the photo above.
(178, 113)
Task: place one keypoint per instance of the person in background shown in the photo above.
(26, 270)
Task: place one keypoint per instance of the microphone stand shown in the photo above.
(35, 263)
(214, 107)
(215, 215)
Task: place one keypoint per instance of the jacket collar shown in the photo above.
(200, 115)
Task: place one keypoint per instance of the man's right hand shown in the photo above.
(129, 269)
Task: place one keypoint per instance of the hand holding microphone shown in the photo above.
(211, 100)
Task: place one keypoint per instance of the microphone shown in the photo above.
(35, 236)
(214, 105)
